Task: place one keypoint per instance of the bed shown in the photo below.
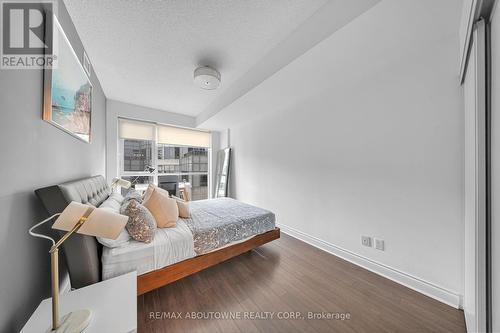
(217, 230)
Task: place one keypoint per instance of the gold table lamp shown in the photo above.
(86, 220)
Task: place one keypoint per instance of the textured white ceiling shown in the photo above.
(145, 52)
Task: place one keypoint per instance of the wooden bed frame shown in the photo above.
(83, 252)
(169, 274)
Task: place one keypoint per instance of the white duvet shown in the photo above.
(170, 245)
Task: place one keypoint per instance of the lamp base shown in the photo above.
(75, 322)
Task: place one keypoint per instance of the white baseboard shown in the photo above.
(427, 288)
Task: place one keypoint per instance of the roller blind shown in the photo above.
(183, 137)
(129, 129)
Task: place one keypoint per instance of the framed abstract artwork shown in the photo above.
(67, 89)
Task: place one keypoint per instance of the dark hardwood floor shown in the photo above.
(285, 277)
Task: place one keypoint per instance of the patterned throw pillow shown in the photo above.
(141, 224)
(133, 194)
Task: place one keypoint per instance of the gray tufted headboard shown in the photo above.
(82, 252)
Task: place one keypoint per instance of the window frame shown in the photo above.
(154, 157)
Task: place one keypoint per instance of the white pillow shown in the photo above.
(117, 197)
(122, 240)
(113, 204)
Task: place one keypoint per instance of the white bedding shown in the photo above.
(169, 246)
(216, 223)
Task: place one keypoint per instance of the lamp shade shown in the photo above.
(99, 221)
(121, 182)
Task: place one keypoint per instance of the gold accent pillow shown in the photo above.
(183, 207)
(149, 191)
(151, 188)
(163, 208)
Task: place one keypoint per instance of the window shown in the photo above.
(177, 155)
(137, 154)
(177, 164)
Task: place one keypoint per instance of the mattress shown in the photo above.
(170, 245)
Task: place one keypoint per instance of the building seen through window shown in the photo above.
(173, 165)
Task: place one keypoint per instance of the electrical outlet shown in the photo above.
(379, 244)
(366, 241)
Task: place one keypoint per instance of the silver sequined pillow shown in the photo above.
(133, 194)
(141, 224)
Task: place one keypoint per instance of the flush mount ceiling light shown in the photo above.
(206, 78)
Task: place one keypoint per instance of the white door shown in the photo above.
(495, 167)
(475, 184)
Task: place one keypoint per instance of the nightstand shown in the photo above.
(113, 304)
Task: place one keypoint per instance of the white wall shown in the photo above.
(495, 166)
(116, 109)
(35, 154)
(363, 135)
